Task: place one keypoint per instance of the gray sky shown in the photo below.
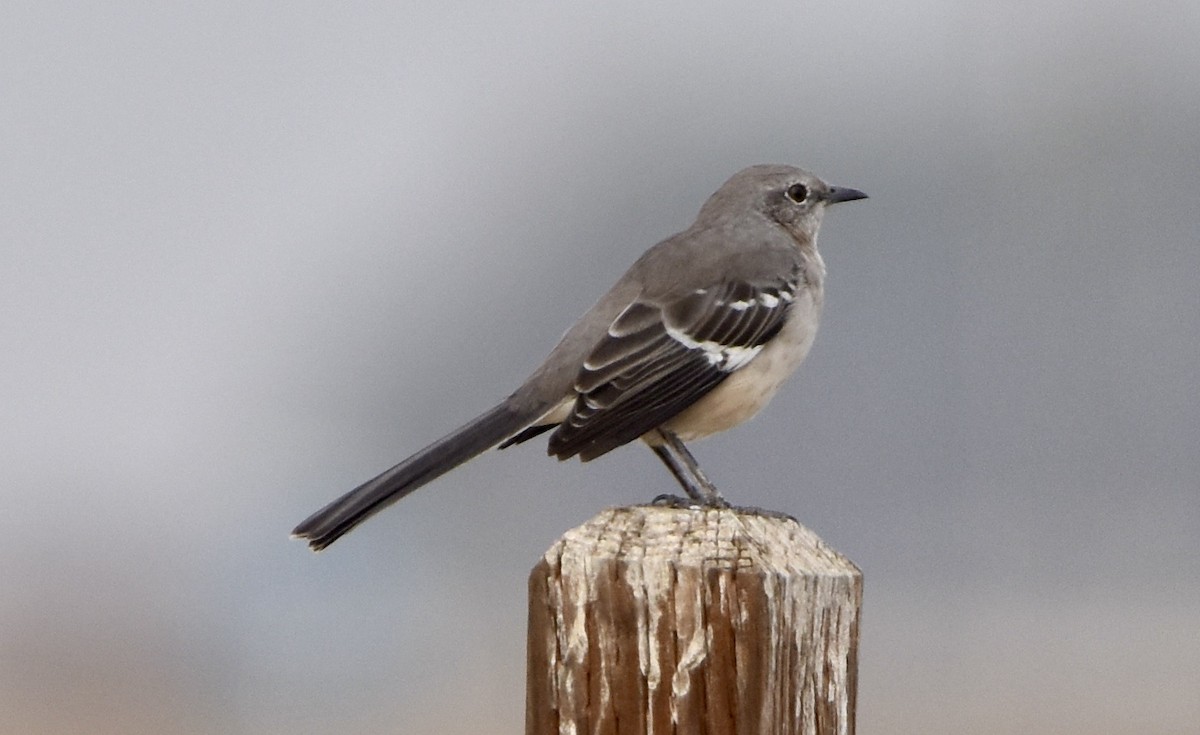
(252, 254)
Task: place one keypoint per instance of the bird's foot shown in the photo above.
(678, 502)
(666, 500)
(753, 510)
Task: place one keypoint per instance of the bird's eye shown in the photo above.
(797, 193)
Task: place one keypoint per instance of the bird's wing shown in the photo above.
(656, 359)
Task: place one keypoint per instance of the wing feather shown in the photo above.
(658, 359)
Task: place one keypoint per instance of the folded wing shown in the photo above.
(658, 359)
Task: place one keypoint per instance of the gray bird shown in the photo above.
(695, 338)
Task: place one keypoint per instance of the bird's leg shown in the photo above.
(687, 471)
(681, 476)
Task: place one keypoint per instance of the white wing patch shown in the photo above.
(768, 300)
(723, 357)
(728, 358)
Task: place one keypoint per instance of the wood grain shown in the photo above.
(696, 621)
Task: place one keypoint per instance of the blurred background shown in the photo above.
(251, 254)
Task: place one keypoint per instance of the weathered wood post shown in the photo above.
(692, 621)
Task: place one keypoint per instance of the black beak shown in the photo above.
(842, 194)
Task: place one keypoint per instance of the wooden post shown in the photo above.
(692, 621)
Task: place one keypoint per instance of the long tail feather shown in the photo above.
(336, 519)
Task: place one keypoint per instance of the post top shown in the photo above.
(714, 538)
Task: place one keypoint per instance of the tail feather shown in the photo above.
(336, 519)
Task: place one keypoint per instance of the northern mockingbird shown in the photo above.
(695, 338)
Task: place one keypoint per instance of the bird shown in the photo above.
(695, 338)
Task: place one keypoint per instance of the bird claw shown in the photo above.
(753, 510)
(666, 500)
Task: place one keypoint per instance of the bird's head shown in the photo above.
(791, 197)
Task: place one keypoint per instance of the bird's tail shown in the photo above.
(329, 524)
